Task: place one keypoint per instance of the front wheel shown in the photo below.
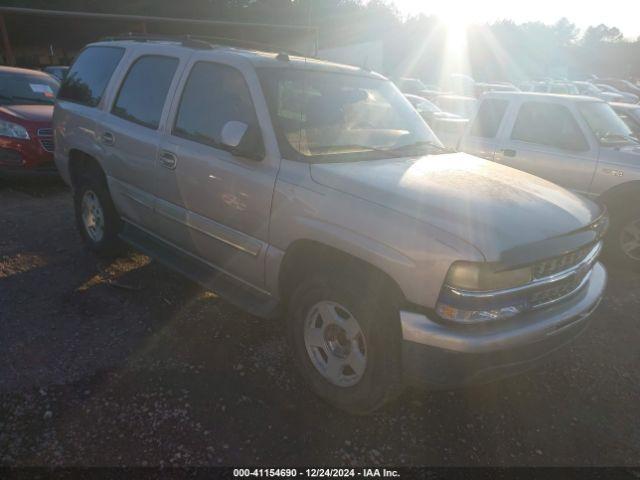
(624, 239)
(346, 342)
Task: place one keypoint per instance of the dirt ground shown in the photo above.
(127, 363)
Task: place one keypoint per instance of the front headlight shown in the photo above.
(468, 296)
(481, 277)
(13, 130)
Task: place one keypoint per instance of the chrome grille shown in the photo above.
(559, 290)
(45, 132)
(47, 144)
(561, 263)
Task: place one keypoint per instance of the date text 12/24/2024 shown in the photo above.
(315, 472)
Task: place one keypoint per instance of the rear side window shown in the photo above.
(90, 74)
(213, 95)
(489, 118)
(548, 124)
(144, 90)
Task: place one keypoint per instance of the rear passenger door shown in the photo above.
(129, 134)
(210, 202)
(481, 136)
(547, 140)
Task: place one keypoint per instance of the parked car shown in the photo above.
(621, 85)
(56, 71)
(414, 86)
(577, 142)
(459, 105)
(427, 109)
(590, 90)
(410, 85)
(630, 114)
(562, 88)
(448, 127)
(268, 179)
(460, 84)
(626, 97)
(26, 108)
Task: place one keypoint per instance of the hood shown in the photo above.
(494, 207)
(31, 113)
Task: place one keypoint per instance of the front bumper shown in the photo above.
(25, 157)
(449, 356)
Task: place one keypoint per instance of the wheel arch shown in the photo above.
(81, 162)
(304, 256)
(617, 196)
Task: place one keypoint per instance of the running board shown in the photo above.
(235, 292)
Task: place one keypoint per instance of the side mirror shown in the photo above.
(242, 139)
(232, 133)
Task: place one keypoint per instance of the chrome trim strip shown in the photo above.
(209, 227)
(139, 196)
(587, 262)
(196, 257)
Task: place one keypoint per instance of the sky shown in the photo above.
(613, 13)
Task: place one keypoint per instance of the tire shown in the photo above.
(316, 302)
(91, 193)
(623, 242)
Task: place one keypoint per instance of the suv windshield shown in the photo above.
(328, 116)
(20, 89)
(607, 126)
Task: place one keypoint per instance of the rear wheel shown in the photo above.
(96, 218)
(346, 342)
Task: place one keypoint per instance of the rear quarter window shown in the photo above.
(90, 75)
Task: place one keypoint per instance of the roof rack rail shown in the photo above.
(202, 42)
(184, 40)
(248, 44)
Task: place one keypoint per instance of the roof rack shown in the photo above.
(183, 40)
(202, 42)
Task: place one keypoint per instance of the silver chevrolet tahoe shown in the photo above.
(577, 142)
(314, 191)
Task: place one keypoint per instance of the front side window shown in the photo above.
(605, 124)
(333, 116)
(21, 89)
(144, 91)
(213, 95)
(90, 74)
(548, 124)
(489, 118)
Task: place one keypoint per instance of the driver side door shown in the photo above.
(211, 203)
(545, 139)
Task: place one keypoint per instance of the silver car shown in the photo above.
(313, 191)
(577, 142)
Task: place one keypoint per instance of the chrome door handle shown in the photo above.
(108, 138)
(168, 160)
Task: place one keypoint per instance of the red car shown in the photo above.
(26, 108)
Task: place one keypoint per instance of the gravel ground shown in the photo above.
(127, 363)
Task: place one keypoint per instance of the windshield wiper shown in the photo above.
(422, 143)
(352, 146)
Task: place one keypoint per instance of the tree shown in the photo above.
(601, 33)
